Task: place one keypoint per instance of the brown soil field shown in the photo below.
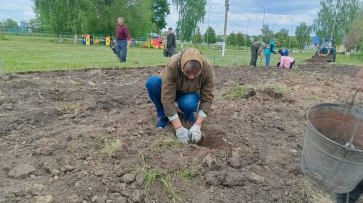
(89, 136)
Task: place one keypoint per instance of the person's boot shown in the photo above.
(162, 123)
(190, 117)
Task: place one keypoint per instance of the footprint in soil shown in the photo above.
(214, 143)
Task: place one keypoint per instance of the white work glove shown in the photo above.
(182, 134)
(195, 133)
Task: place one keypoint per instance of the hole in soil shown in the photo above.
(214, 143)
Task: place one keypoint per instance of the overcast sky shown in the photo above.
(277, 12)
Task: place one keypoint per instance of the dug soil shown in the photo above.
(55, 128)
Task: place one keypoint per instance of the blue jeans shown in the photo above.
(188, 103)
(121, 49)
(353, 195)
(267, 56)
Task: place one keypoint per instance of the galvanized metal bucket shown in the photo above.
(326, 159)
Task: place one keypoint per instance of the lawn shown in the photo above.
(41, 54)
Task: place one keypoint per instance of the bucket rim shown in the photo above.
(323, 136)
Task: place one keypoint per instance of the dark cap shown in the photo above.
(170, 28)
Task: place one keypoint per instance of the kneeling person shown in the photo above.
(187, 79)
(286, 62)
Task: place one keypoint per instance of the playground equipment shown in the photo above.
(155, 42)
(333, 146)
(107, 41)
(87, 39)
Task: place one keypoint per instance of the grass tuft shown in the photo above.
(237, 92)
(111, 147)
(71, 109)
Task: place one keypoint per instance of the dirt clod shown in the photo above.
(255, 178)
(45, 199)
(67, 168)
(21, 171)
(235, 160)
(128, 178)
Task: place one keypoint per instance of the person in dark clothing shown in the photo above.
(256, 50)
(284, 52)
(123, 39)
(171, 42)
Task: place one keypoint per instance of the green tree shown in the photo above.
(248, 41)
(210, 36)
(355, 36)
(232, 39)
(160, 8)
(266, 34)
(240, 38)
(137, 14)
(335, 18)
(54, 13)
(302, 34)
(283, 37)
(191, 12)
(197, 38)
(9, 23)
(256, 38)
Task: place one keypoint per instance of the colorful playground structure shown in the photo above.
(155, 42)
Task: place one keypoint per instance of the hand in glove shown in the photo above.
(182, 134)
(275, 52)
(195, 133)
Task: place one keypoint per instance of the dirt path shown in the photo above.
(54, 127)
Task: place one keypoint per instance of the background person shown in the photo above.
(123, 39)
(268, 52)
(188, 78)
(286, 62)
(284, 52)
(256, 50)
(171, 42)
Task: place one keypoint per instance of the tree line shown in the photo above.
(339, 19)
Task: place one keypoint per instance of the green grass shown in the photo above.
(279, 88)
(21, 53)
(237, 92)
(152, 175)
(312, 97)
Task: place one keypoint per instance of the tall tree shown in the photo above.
(191, 12)
(197, 38)
(137, 14)
(240, 38)
(266, 33)
(302, 34)
(355, 36)
(54, 13)
(210, 36)
(282, 37)
(160, 8)
(335, 17)
(232, 39)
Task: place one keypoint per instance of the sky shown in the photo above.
(277, 14)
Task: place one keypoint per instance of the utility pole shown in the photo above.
(263, 22)
(225, 28)
(292, 24)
